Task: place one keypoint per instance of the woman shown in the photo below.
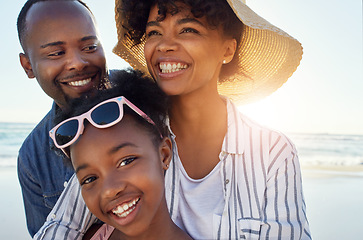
(229, 178)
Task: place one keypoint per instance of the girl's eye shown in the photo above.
(189, 30)
(127, 161)
(88, 180)
(152, 33)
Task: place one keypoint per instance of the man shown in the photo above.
(63, 52)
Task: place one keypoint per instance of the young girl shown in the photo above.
(119, 149)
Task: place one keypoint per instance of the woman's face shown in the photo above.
(121, 174)
(184, 54)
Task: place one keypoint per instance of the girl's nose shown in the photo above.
(112, 186)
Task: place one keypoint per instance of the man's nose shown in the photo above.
(76, 61)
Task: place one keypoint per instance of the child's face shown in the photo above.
(121, 174)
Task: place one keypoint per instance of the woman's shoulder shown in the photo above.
(251, 130)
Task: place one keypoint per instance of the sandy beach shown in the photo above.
(12, 218)
(333, 195)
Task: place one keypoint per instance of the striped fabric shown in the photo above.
(262, 184)
(70, 217)
(262, 189)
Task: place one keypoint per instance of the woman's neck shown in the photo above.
(199, 124)
(197, 110)
(197, 113)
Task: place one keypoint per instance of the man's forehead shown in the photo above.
(40, 11)
(58, 21)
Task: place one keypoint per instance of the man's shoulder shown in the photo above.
(39, 136)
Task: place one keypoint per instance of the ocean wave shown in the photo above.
(314, 149)
(6, 162)
(330, 160)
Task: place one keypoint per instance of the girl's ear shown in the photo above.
(25, 63)
(166, 152)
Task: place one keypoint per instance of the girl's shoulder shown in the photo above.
(103, 232)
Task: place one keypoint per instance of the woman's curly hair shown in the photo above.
(217, 12)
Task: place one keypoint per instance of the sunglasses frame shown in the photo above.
(121, 101)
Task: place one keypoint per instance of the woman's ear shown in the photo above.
(25, 63)
(231, 46)
(166, 152)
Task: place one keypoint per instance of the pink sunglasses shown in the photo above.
(103, 115)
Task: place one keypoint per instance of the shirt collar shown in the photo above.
(233, 142)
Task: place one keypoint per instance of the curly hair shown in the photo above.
(217, 12)
(138, 89)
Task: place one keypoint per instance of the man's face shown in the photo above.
(63, 51)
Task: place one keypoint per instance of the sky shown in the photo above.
(324, 95)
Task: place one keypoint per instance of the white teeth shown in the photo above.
(125, 209)
(80, 83)
(168, 68)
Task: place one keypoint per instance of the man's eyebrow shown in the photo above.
(52, 44)
(88, 38)
(83, 166)
(58, 43)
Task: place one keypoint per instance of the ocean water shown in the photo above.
(12, 136)
(313, 149)
(329, 149)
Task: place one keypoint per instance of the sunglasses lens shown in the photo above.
(66, 132)
(106, 113)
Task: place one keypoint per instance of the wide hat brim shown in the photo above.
(268, 56)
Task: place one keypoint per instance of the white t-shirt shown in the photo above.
(199, 201)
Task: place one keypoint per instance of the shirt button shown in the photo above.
(53, 216)
(227, 181)
(65, 184)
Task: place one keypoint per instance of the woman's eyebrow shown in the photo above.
(152, 23)
(190, 20)
(179, 22)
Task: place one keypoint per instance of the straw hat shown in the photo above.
(268, 56)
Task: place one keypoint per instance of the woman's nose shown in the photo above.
(167, 44)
